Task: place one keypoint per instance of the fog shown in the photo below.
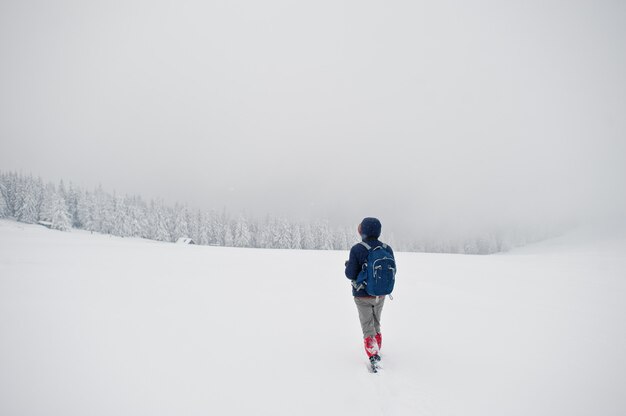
(427, 115)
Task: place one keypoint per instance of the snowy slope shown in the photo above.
(99, 325)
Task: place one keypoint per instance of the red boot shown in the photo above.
(379, 340)
(371, 346)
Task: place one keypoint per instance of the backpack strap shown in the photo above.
(367, 246)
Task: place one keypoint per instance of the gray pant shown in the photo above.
(369, 314)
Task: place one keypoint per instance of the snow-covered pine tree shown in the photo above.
(108, 212)
(54, 209)
(152, 221)
(486, 244)
(455, 246)
(306, 232)
(8, 191)
(503, 242)
(282, 234)
(228, 235)
(253, 226)
(120, 223)
(213, 231)
(340, 239)
(195, 226)
(159, 229)
(180, 225)
(322, 237)
(73, 195)
(470, 246)
(192, 226)
(168, 217)
(61, 190)
(241, 237)
(137, 217)
(85, 210)
(264, 233)
(3, 205)
(295, 236)
(100, 211)
(203, 230)
(29, 197)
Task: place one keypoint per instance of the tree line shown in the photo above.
(28, 199)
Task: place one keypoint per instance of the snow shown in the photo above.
(98, 325)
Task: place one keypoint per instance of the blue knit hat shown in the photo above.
(370, 228)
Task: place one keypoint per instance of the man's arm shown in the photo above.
(353, 267)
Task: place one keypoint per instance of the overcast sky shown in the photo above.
(420, 113)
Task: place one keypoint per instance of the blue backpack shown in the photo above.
(379, 273)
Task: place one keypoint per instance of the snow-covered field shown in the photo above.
(100, 325)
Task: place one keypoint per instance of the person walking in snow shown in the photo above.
(370, 307)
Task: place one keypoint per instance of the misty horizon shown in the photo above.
(434, 119)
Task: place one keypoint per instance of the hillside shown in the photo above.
(98, 325)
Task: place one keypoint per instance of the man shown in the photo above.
(369, 307)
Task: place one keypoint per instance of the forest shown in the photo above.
(29, 199)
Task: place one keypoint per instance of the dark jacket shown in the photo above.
(370, 231)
